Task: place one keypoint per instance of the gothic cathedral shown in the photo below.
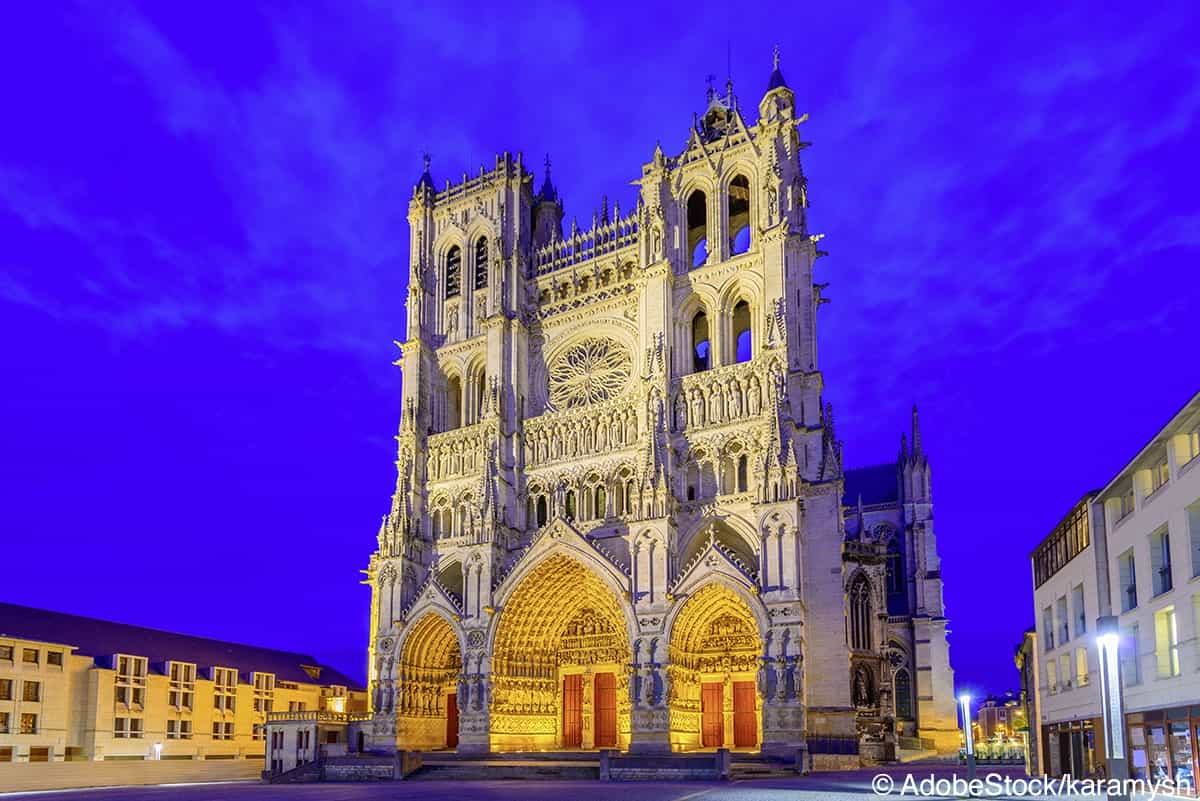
(621, 516)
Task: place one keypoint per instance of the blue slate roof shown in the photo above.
(877, 484)
(103, 638)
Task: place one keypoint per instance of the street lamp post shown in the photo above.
(964, 702)
(1108, 639)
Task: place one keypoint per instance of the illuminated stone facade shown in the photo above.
(618, 518)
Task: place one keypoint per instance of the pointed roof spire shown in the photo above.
(547, 191)
(903, 447)
(916, 434)
(776, 80)
(604, 209)
(426, 180)
(862, 524)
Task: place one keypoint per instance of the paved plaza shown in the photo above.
(831, 786)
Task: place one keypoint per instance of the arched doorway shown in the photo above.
(715, 646)
(427, 678)
(559, 663)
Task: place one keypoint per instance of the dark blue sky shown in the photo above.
(202, 220)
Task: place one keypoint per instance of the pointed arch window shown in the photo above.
(541, 511)
(453, 404)
(481, 262)
(860, 614)
(739, 215)
(743, 470)
(743, 336)
(903, 694)
(599, 504)
(453, 272)
(697, 227)
(701, 344)
(570, 504)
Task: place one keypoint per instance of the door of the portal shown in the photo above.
(572, 706)
(712, 716)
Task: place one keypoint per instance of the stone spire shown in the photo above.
(776, 80)
(426, 180)
(547, 191)
(916, 434)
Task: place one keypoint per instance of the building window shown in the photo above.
(1166, 642)
(481, 262)
(6, 692)
(1160, 561)
(6, 653)
(1051, 676)
(129, 684)
(701, 345)
(1048, 627)
(31, 691)
(1193, 524)
(860, 614)
(54, 658)
(224, 688)
(1080, 611)
(1128, 578)
(1064, 543)
(453, 272)
(743, 334)
(739, 215)
(182, 687)
(1189, 448)
(903, 690)
(743, 472)
(29, 656)
(222, 731)
(1081, 667)
(1131, 663)
(697, 227)
(4, 724)
(1064, 633)
(1160, 475)
(1125, 504)
(6, 754)
(179, 730)
(1064, 669)
(29, 723)
(264, 692)
(259, 732)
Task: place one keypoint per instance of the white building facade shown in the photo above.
(1142, 564)
(621, 518)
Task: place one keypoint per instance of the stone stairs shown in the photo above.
(564, 766)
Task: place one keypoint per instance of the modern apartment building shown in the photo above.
(1131, 549)
(76, 688)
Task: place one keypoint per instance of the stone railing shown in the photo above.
(574, 433)
(718, 396)
(583, 246)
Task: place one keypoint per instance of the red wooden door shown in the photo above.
(604, 699)
(452, 720)
(572, 703)
(745, 717)
(712, 717)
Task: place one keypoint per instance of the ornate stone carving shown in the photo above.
(589, 372)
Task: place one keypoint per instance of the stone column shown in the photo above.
(649, 694)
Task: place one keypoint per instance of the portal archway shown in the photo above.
(427, 678)
(560, 663)
(715, 646)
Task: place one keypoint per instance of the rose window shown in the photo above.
(592, 371)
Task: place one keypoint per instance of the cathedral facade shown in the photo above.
(621, 517)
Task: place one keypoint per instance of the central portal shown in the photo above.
(559, 670)
(715, 648)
